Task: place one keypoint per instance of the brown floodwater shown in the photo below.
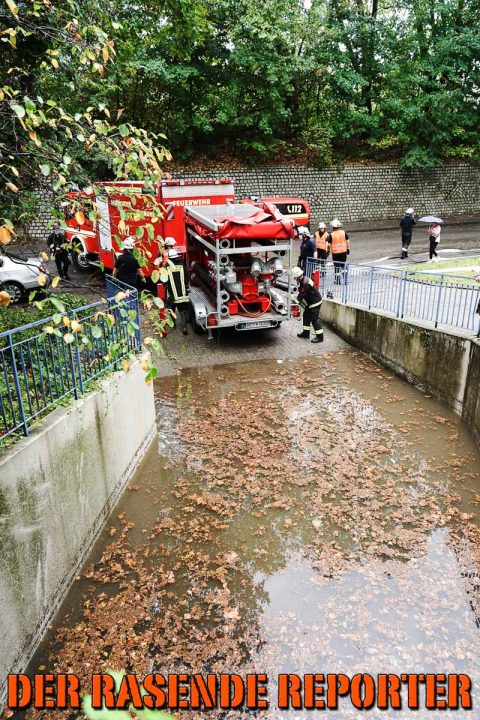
(317, 515)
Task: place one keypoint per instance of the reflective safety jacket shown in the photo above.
(308, 295)
(177, 284)
(322, 240)
(339, 241)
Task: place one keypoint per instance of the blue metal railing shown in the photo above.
(444, 300)
(51, 359)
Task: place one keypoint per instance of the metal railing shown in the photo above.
(46, 361)
(447, 301)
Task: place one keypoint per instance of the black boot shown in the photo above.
(304, 335)
(318, 338)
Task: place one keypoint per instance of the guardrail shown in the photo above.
(44, 362)
(444, 300)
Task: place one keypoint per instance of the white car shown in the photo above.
(19, 275)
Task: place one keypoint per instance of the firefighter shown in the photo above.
(177, 283)
(340, 248)
(406, 223)
(322, 241)
(308, 249)
(310, 299)
(57, 243)
(127, 268)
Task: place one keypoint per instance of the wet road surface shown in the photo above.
(314, 515)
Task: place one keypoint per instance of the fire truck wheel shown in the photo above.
(79, 258)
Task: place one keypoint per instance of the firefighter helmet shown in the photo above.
(303, 230)
(336, 223)
(173, 252)
(297, 273)
(169, 241)
(129, 243)
(322, 226)
(410, 211)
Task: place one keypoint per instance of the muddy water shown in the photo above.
(317, 516)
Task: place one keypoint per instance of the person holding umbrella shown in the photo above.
(434, 232)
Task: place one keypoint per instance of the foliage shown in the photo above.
(53, 53)
(16, 315)
(327, 78)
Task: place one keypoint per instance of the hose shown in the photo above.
(247, 313)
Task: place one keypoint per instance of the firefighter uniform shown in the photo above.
(340, 247)
(322, 241)
(310, 299)
(57, 243)
(178, 293)
(307, 250)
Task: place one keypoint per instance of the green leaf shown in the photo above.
(19, 110)
(93, 714)
(58, 304)
(123, 130)
(45, 169)
(96, 332)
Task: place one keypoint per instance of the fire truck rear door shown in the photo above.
(104, 228)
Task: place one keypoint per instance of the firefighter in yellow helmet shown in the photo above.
(177, 284)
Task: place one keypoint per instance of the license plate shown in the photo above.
(254, 325)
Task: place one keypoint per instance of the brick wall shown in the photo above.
(357, 193)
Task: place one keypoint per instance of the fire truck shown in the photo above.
(126, 208)
(234, 253)
(237, 252)
(294, 208)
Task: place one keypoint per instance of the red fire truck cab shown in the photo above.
(293, 208)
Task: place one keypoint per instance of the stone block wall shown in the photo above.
(358, 193)
(39, 228)
(361, 192)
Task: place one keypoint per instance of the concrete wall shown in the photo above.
(358, 192)
(57, 489)
(445, 365)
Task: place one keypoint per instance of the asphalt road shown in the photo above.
(371, 242)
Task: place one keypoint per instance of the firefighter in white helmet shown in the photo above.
(308, 249)
(406, 223)
(310, 299)
(340, 247)
(127, 268)
(177, 283)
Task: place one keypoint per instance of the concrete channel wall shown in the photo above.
(57, 488)
(445, 365)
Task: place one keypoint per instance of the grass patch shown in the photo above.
(463, 270)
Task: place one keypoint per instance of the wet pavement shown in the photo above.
(310, 515)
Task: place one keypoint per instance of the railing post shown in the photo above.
(437, 313)
(401, 293)
(138, 332)
(17, 385)
(370, 290)
(345, 283)
(78, 362)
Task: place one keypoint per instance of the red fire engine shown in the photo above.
(237, 252)
(126, 208)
